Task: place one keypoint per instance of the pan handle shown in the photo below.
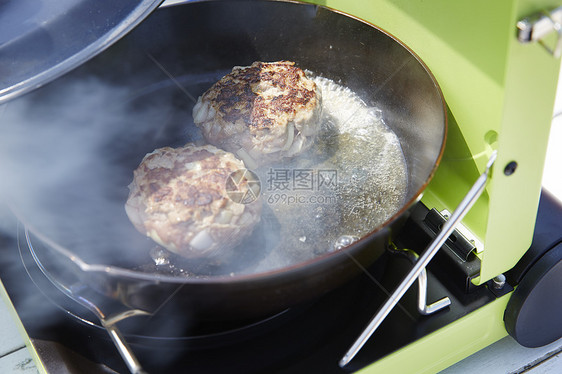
(449, 226)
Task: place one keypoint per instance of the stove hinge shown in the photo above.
(456, 261)
(538, 27)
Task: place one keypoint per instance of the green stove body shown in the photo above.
(499, 93)
(496, 65)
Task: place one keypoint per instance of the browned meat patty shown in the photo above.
(262, 113)
(178, 198)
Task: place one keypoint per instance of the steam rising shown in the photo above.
(67, 154)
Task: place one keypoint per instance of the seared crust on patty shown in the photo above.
(178, 198)
(266, 111)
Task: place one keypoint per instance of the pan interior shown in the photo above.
(69, 148)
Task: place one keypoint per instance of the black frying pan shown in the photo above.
(73, 203)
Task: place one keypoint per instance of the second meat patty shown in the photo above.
(262, 113)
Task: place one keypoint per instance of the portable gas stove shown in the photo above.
(497, 65)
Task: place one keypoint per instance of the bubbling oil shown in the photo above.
(370, 162)
(350, 182)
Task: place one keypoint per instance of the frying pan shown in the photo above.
(69, 149)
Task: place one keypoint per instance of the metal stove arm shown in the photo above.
(81, 294)
(423, 308)
(449, 226)
(109, 322)
(125, 351)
